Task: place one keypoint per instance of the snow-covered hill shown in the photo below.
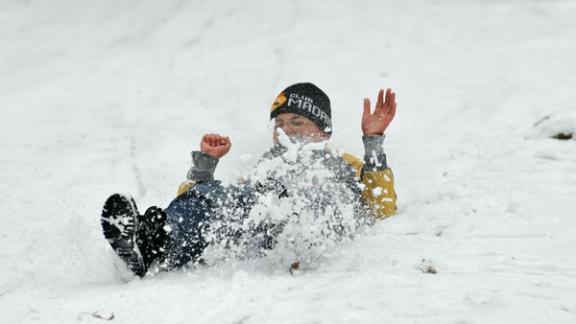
(106, 96)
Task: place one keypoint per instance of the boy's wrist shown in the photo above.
(203, 166)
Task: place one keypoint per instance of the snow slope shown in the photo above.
(106, 96)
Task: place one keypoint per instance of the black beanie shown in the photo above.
(307, 100)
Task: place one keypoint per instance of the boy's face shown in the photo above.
(298, 128)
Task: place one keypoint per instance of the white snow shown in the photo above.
(110, 96)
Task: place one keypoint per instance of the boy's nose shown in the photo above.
(287, 129)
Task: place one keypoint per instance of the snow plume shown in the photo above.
(304, 202)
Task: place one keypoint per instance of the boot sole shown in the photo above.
(119, 223)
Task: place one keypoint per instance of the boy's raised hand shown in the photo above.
(215, 145)
(377, 122)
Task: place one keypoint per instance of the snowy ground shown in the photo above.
(105, 96)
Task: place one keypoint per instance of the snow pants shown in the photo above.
(202, 216)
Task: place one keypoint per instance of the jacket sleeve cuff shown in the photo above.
(203, 167)
(374, 156)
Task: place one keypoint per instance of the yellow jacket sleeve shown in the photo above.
(378, 187)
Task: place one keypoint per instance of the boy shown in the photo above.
(317, 182)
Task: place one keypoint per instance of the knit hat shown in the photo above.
(307, 100)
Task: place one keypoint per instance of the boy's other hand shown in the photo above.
(376, 123)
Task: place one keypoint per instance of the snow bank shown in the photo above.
(560, 125)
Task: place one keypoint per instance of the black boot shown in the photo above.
(153, 235)
(138, 239)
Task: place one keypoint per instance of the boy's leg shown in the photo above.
(189, 216)
(204, 215)
(174, 236)
(177, 235)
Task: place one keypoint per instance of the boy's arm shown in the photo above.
(212, 148)
(378, 192)
(377, 179)
(203, 167)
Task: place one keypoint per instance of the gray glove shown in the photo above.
(374, 156)
(203, 167)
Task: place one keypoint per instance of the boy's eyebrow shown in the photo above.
(295, 117)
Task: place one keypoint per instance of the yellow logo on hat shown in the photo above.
(280, 100)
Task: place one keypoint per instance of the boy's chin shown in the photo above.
(298, 139)
(302, 140)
